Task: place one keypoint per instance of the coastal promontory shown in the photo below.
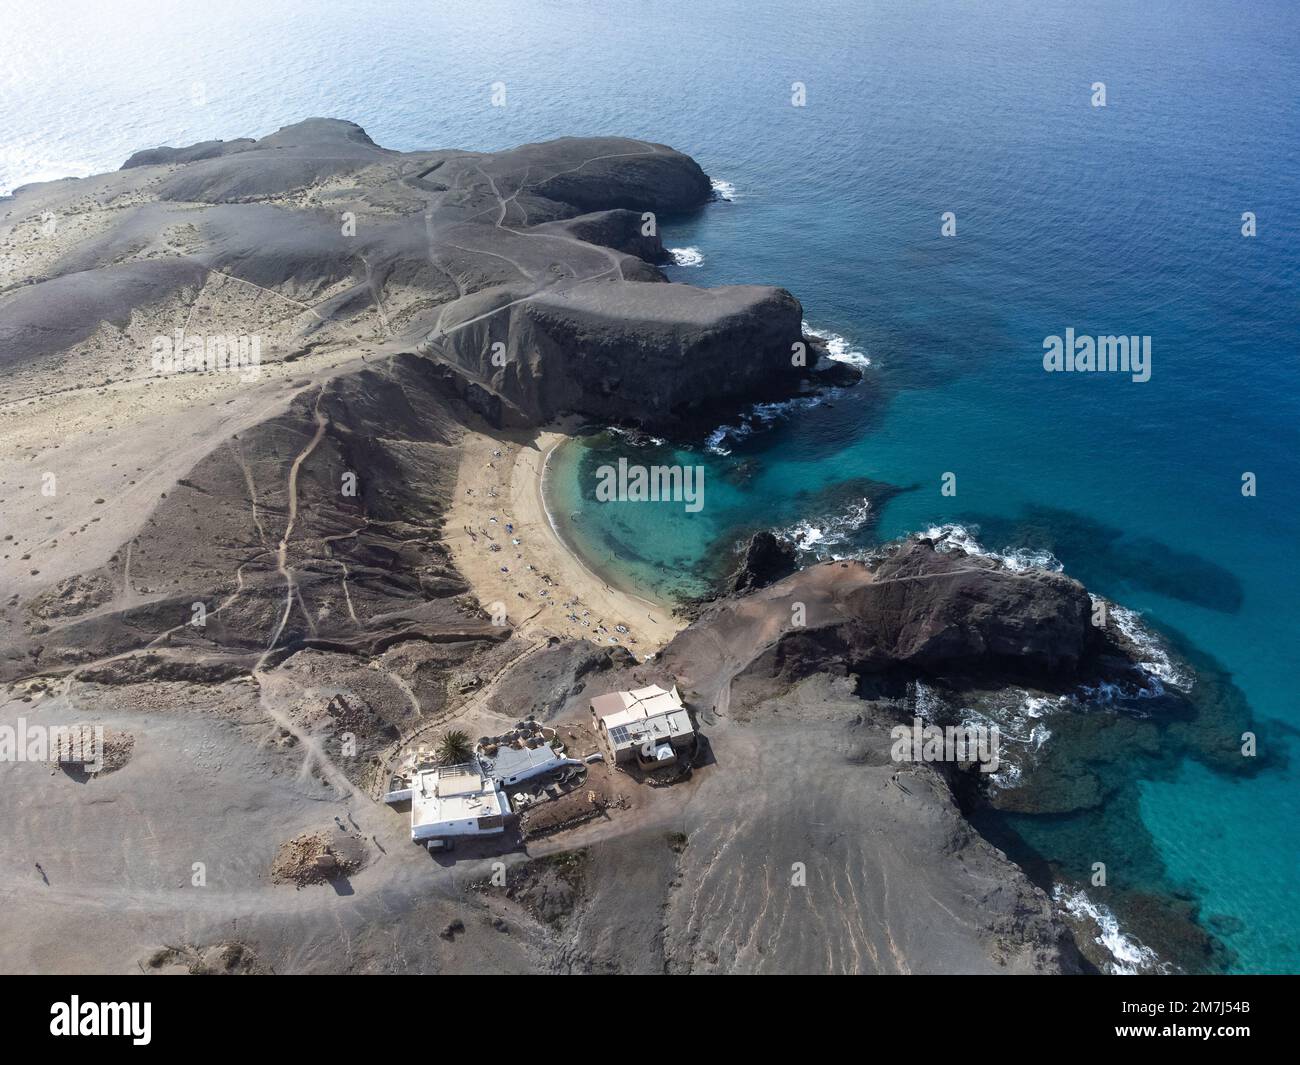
(278, 413)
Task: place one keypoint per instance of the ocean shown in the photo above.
(1123, 219)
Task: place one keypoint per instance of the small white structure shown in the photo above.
(513, 765)
(456, 800)
(648, 724)
(399, 790)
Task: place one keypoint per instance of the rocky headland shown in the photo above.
(274, 577)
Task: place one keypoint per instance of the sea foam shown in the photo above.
(821, 535)
(838, 347)
(760, 416)
(1130, 956)
(959, 538)
(1155, 661)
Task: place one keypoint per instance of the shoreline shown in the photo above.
(505, 542)
(567, 544)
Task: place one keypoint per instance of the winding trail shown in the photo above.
(291, 587)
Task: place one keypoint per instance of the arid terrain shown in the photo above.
(269, 583)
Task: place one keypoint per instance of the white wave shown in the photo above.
(822, 535)
(1033, 707)
(1022, 733)
(1130, 955)
(1110, 692)
(838, 348)
(723, 190)
(1158, 669)
(1155, 661)
(959, 538)
(687, 256)
(925, 703)
(636, 439)
(713, 442)
(762, 415)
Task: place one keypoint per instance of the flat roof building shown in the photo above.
(648, 724)
(510, 765)
(456, 800)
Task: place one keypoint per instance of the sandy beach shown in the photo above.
(503, 542)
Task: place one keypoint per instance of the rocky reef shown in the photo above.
(1084, 700)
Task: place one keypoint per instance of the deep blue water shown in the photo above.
(1123, 219)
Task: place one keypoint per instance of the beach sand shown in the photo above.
(504, 544)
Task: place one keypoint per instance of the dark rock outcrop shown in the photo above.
(614, 172)
(661, 357)
(926, 612)
(164, 155)
(767, 558)
(619, 229)
(950, 611)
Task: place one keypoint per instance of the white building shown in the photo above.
(456, 800)
(514, 764)
(648, 724)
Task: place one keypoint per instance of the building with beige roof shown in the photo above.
(649, 724)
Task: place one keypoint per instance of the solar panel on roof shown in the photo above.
(619, 734)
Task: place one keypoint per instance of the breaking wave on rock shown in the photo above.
(1022, 730)
(838, 347)
(760, 416)
(959, 538)
(686, 256)
(634, 437)
(1155, 661)
(1131, 957)
(822, 535)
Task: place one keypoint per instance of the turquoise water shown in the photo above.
(1123, 219)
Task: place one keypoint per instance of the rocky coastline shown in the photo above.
(402, 302)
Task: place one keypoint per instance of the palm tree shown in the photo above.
(454, 747)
